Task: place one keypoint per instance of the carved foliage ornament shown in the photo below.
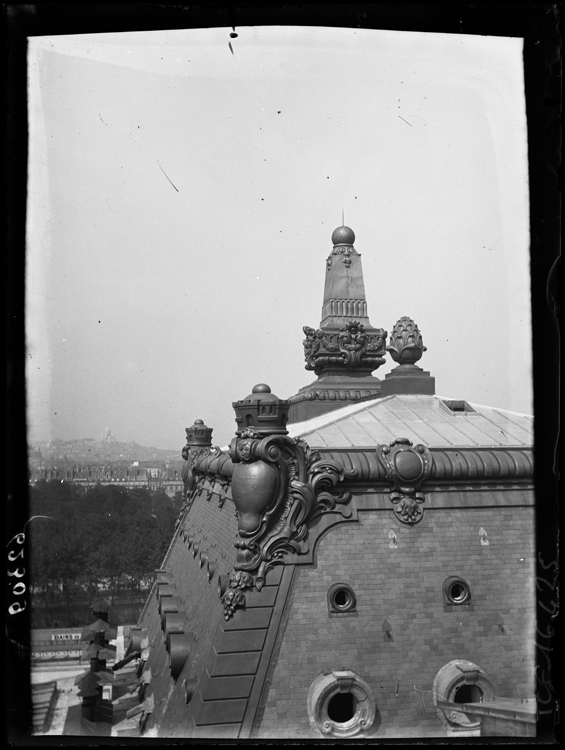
(406, 345)
(407, 468)
(233, 596)
(278, 487)
(351, 347)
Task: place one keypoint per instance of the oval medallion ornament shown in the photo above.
(406, 468)
(409, 466)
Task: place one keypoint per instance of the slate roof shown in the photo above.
(421, 419)
(43, 701)
(231, 658)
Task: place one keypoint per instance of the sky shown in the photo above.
(182, 197)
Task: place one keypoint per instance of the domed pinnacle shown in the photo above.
(343, 236)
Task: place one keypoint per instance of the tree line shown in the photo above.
(106, 539)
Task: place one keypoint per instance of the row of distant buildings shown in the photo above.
(86, 462)
(164, 477)
(105, 450)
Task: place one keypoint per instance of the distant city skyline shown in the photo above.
(182, 198)
(89, 449)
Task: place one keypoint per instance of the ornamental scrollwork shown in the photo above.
(190, 455)
(407, 468)
(312, 344)
(351, 347)
(279, 485)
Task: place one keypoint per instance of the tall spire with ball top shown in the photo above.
(344, 291)
(345, 349)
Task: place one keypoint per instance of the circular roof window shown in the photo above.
(456, 591)
(341, 704)
(341, 598)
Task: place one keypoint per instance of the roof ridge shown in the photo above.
(330, 418)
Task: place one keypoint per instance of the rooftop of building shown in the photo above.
(434, 420)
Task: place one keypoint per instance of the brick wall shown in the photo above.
(403, 586)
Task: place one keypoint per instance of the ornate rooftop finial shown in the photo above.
(345, 339)
(198, 441)
(199, 436)
(346, 348)
(261, 412)
(406, 347)
(344, 300)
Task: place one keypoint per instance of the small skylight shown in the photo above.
(458, 407)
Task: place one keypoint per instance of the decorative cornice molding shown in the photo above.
(457, 467)
(454, 466)
(335, 394)
(279, 486)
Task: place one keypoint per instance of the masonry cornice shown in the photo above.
(456, 466)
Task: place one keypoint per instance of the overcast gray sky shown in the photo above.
(181, 201)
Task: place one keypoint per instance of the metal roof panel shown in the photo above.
(419, 418)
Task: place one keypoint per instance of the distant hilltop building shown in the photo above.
(108, 436)
(376, 580)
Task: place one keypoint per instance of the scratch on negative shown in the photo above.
(441, 511)
(166, 175)
(406, 121)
